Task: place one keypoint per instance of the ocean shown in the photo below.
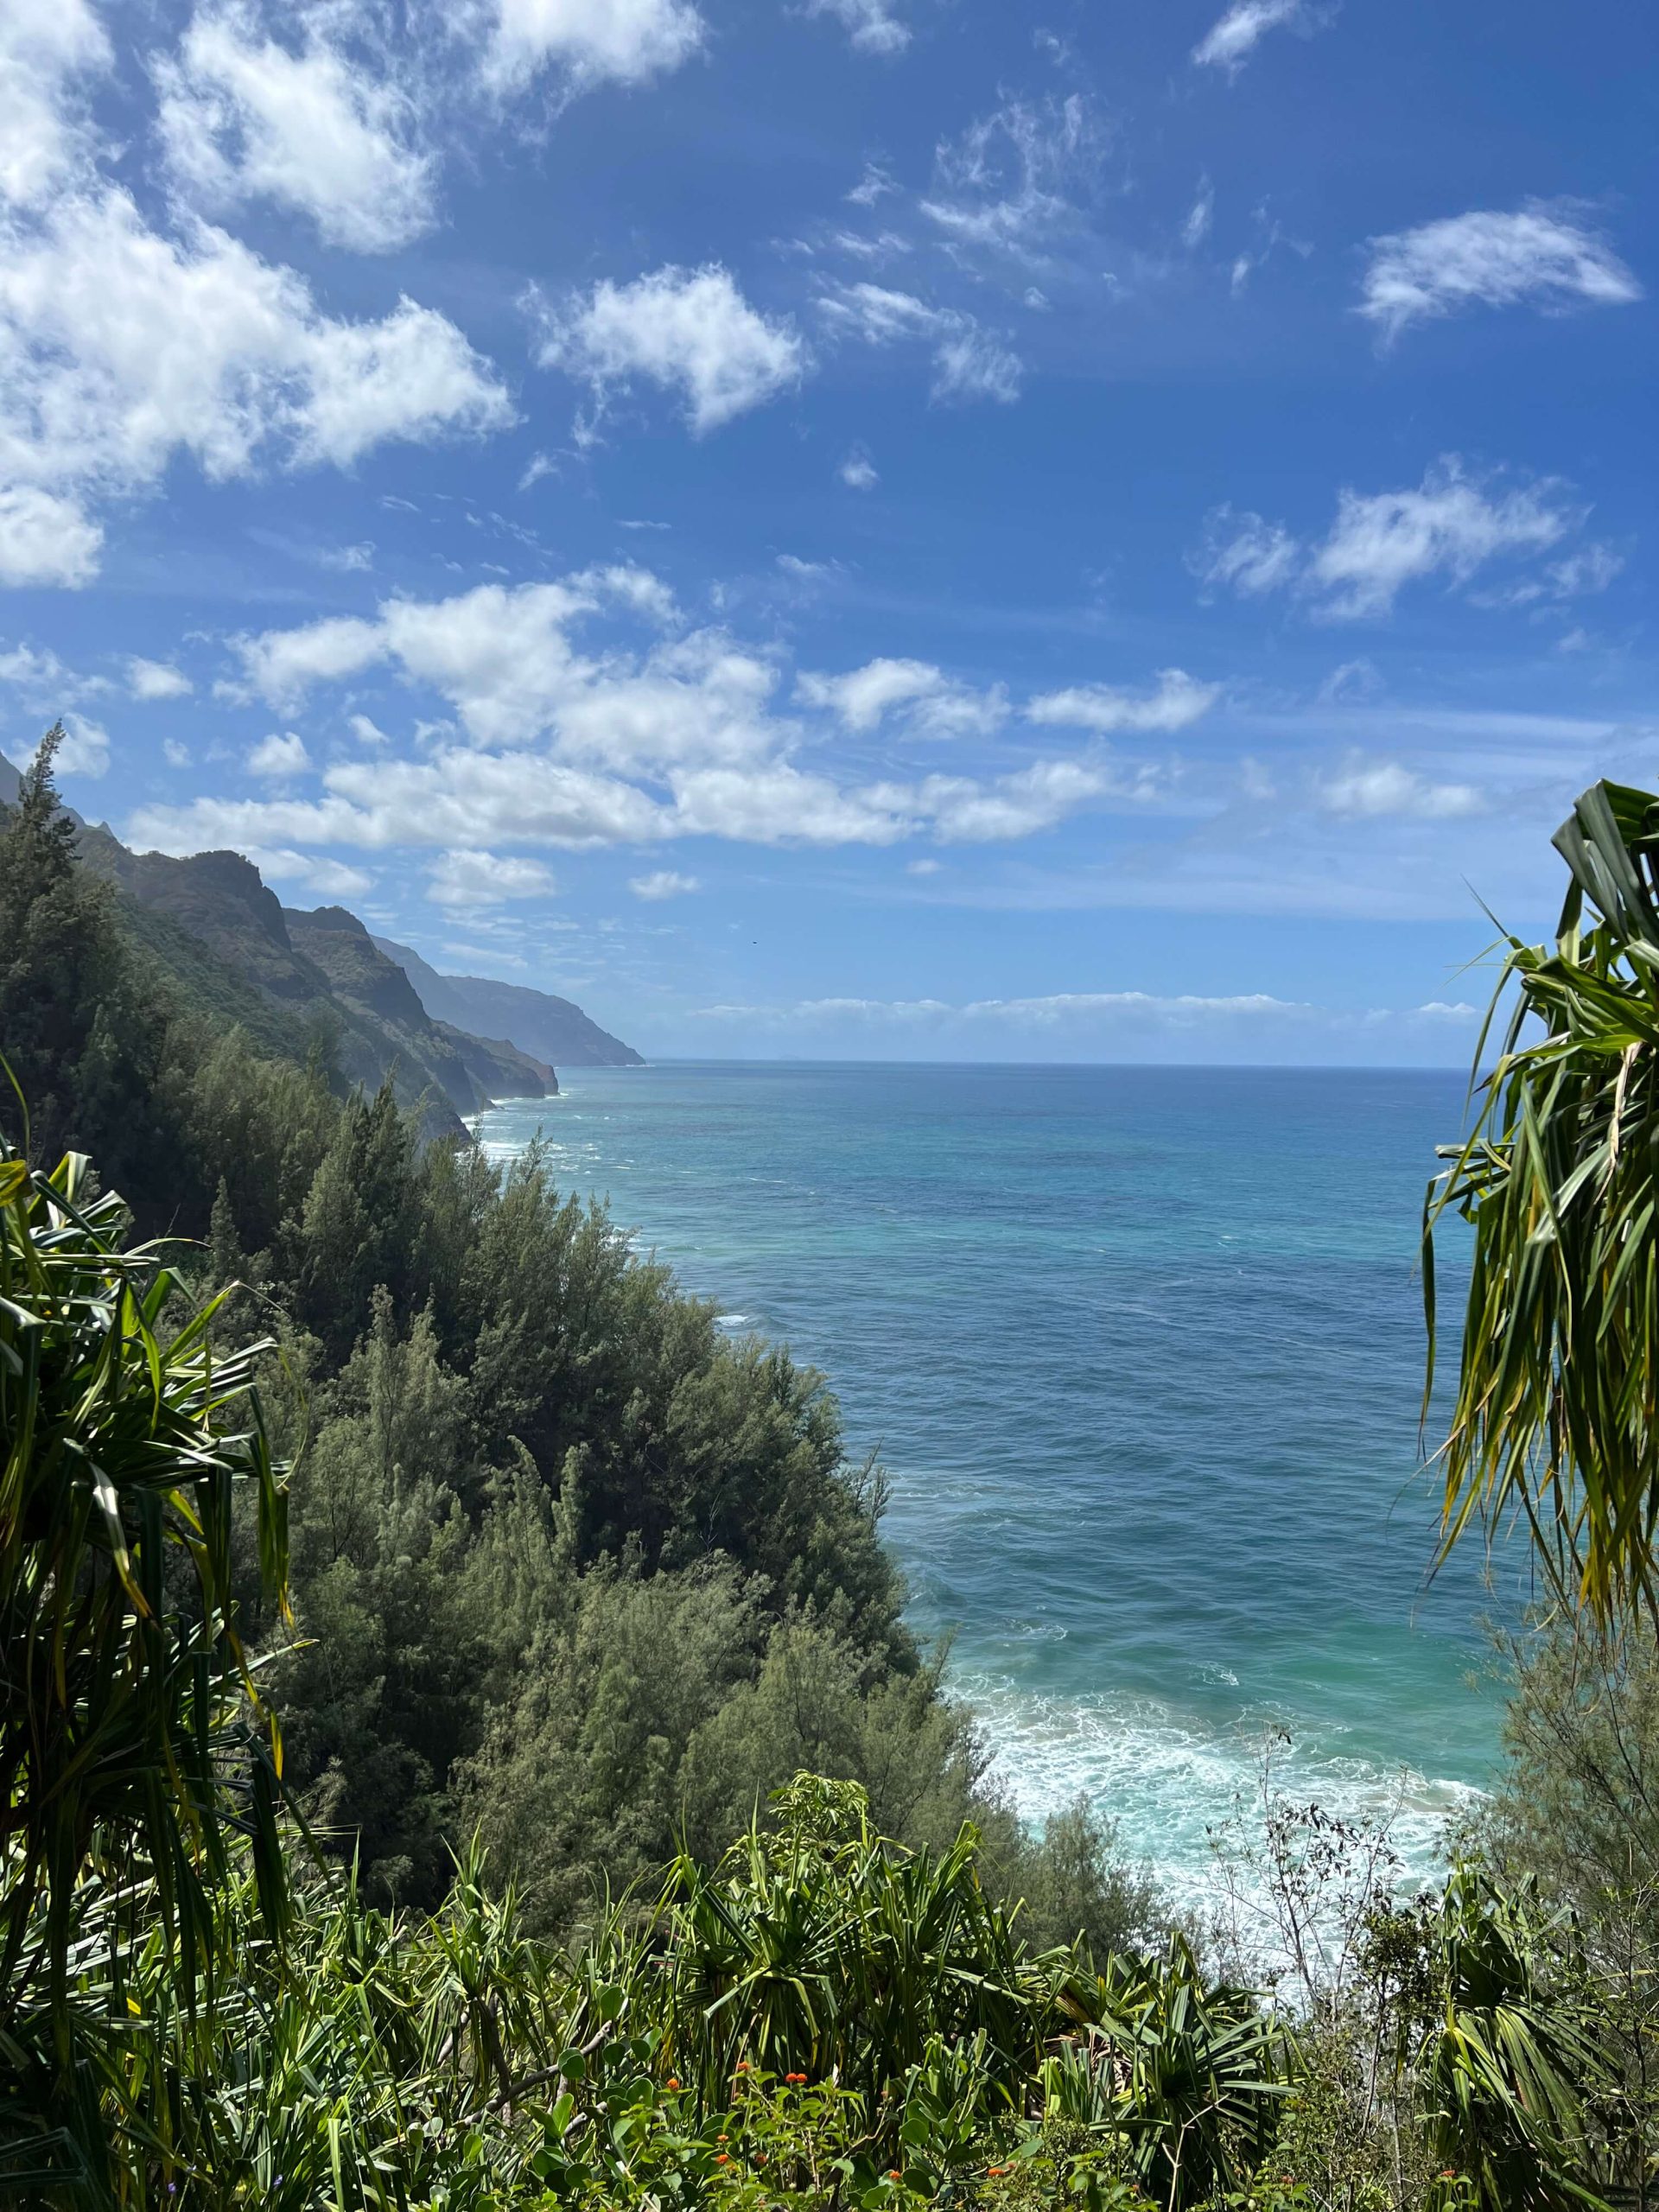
(1142, 1350)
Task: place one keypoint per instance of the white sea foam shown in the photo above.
(1174, 1783)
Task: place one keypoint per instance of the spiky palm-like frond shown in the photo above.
(1558, 1386)
(132, 1752)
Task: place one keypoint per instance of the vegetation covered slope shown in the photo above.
(301, 986)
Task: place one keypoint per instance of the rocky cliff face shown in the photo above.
(295, 980)
(552, 1028)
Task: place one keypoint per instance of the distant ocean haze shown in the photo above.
(1142, 1349)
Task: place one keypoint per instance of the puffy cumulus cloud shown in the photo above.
(156, 679)
(315, 872)
(968, 362)
(933, 704)
(124, 347)
(242, 117)
(1450, 525)
(1372, 790)
(44, 681)
(1230, 40)
(502, 656)
(1542, 254)
(858, 471)
(589, 41)
(689, 330)
(46, 538)
(481, 879)
(863, 696)
(871, 24)
(280, 666)
(281, 755)
(965, 811)
(654, 733)
(1178, 700)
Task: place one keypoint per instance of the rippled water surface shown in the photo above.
(1143, 1351)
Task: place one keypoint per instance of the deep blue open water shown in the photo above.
(1142, 1349)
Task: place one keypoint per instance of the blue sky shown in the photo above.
(879, 527)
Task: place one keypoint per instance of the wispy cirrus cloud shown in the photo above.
(1232, 39)
(1546, 255)
(970, 362)
(1451, 525)
(872, 25)
(1178, 700)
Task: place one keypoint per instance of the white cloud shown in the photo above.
(241, 118)
(874, 185)
(592, 41)
(871, 25)
(175, 754)
(933, 705)
(1201, 217)
(1381, 542)
(329, 879)
(1013, 806)
(863, 697)
(44, 537)
(968, 363)
(156, 679)
(121, 348)
(1178, 700)
(1541, 253)
(346, 559)
(1051, 1010)
(674, 735)
(1229, 41)
(279, 755)
(1006, 185)
(366, 730)
(686, 329)
(282, 665)
(48, 50)
(1370, 790)
(37, 672)
(858, 471)
(84, 750)
(1245, 553)
(481, 879)
(663, 883)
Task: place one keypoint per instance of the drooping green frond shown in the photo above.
(1554, 1417)
(133, 1753)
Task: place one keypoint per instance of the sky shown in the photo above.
(851, 528)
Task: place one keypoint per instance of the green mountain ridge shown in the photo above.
(553, 1029)
(295, 981)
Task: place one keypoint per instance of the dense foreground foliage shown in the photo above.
(462, 1748)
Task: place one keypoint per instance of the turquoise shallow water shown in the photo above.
(1142, 1349)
